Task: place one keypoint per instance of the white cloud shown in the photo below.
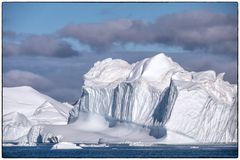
(15, 78)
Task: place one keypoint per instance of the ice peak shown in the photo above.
(158, 66)
(107, 72)
(157, 71)
(111, 72)
(161, 56)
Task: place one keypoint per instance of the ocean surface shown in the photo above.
(122, 151)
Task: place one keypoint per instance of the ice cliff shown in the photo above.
(158, 92)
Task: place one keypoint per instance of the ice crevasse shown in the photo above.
(159, 92)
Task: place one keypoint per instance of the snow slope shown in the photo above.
(24, 107)
(158, 92)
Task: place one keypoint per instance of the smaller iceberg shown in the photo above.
(65, 145)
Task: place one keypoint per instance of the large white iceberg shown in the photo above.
(153, 101)
(158, 92)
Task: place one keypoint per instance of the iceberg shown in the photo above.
(24, 107)
(65, 145)
(150, 102)
(159, 92)
(15, 125)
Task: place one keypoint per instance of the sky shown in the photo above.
(50, 46)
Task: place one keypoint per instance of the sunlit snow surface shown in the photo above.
(153, 101)
(24, 107)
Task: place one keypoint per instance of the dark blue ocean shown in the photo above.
(123, 151)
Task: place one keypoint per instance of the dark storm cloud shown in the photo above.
(198, 30)
(39, 45)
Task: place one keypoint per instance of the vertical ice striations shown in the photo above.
(126, 92)
(158, 92)
(205, 109)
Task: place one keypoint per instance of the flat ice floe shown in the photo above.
(65, 145)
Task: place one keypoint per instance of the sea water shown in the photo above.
(122, 151)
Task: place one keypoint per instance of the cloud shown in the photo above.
(203, 62)
(216, 33)
(66, 75)
(60, 73)
(196, 30)
(9, 35)
(199, 31)
(10, 49)
(39, 45)
(99, 36)
(15, 78)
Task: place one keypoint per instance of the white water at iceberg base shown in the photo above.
(153, 101)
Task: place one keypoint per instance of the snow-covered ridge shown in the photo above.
(158, 92)
(24, 107)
